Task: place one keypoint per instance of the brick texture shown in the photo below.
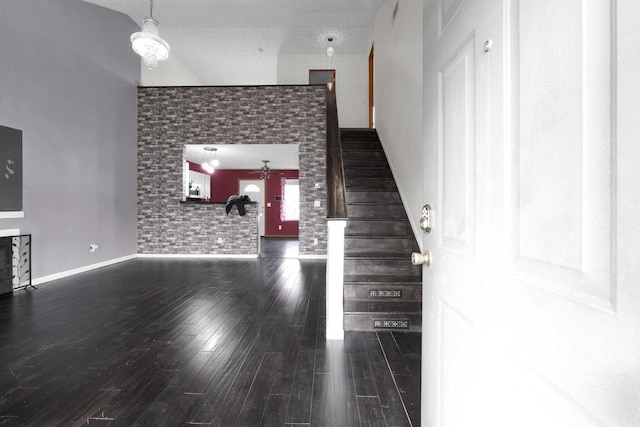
(170, 117)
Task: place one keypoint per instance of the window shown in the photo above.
(290, 200)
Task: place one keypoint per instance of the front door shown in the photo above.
(529, 316)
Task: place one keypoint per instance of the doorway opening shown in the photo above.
(322, 77)
(254, 188)
(279, 247)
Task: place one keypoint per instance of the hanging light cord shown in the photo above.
(151, 9)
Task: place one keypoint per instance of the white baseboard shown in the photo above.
(49, 278)
(11, 214)
(195, 256)
(223, 256)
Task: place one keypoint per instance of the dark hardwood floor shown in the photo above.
(173, 342)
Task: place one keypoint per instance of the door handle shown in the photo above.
(419, 259)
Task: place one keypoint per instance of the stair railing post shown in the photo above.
(336, 221)
(335, 279)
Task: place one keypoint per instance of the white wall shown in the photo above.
(170, 72)
(352, 82)
(398, 97)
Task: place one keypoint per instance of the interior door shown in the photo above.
(526, 321)
(255, 195)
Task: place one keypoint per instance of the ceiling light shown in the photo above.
(147, 43)
(208, 168)
(330, 51)
(330, 48)
(211, 165)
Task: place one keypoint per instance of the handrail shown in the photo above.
(336, 192)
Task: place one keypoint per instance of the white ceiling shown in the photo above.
(243, 38)
(247, 156)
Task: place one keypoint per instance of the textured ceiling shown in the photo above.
(241, 39)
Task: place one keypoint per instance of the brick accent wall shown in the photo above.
(170, 117)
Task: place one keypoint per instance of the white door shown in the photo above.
(531, 307)
(256, 196)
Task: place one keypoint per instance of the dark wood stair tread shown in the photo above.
(360, 278)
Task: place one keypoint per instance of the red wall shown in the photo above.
(224, 183)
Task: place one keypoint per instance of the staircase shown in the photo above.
(382, 289)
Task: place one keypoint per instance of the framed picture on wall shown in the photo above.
(10, 169)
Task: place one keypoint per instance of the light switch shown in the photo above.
(268, 204)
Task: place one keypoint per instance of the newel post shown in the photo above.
(335, 279)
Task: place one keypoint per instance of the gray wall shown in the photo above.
(68, 80)
(170, 117)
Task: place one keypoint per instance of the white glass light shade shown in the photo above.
(148, 44)
(215, 163)
(330, 51)
(207, 167)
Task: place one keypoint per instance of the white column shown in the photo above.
(335, 279)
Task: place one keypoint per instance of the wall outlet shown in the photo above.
(220, 240)
(317, 204)
(315, 241)
(93, 247)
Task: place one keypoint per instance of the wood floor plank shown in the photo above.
(410, 395)
(345, 391)
(365, 384)
(242, 385)
(395, 359)
(284, 382)
(323, 401)
(225, 389)
(256, 400)
(390, 399)
(370, 412)
(302, 391)
(275, 411)
(409, 343)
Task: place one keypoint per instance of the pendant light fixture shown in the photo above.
(147, 43)
(330, 46)
(213, 162)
